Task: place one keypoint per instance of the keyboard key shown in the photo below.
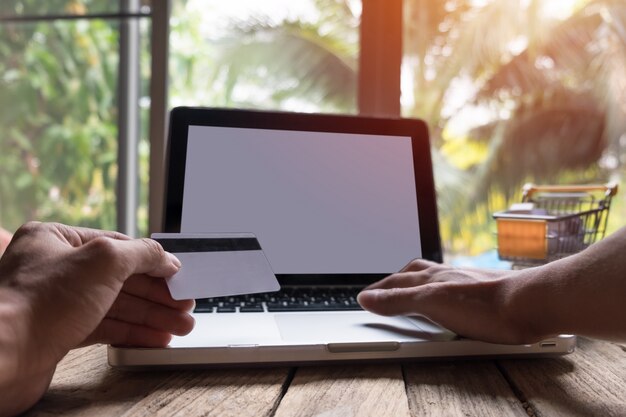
(227, 304)
(251, 309)
(204, 305)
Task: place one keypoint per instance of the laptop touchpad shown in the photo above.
(355, 327)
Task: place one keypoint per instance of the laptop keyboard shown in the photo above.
(287, 299)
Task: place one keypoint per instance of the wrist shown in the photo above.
(23, 384)
(530, 305)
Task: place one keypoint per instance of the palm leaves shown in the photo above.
(303, 64)
(561, 99)
(569, 94)
(313, 64)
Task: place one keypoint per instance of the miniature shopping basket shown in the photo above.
(553, 222)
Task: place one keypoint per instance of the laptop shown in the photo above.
(336, 202)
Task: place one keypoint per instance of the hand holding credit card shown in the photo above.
(217, 265)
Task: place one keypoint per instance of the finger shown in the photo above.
(123, 258)
(77, 236)
(398, 301)
(135, 310)
(400, 280)
(151, 254)
(155, 289)
(121, 333)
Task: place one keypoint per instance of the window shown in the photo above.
(68, 98)
(515, 92)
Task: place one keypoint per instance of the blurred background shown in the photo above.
(513, 91)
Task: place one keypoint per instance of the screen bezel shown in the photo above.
(183, 117)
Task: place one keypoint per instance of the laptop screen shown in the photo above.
(319, 202)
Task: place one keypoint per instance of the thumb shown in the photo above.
(123, 258)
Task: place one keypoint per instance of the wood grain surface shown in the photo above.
(591, 382)
(84, 385)
(460, 389)
(346, 391)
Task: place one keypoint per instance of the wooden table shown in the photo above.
(590, 382)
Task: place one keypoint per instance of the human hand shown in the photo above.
(63, 287)
(473, 303)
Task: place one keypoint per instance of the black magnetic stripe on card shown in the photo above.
(227, 244)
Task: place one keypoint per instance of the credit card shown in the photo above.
(217, 265)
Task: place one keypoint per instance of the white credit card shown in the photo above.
(217, 265)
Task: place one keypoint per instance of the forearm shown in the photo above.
(18, 390)
(584, 294)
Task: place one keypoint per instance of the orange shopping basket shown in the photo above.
(553, 222)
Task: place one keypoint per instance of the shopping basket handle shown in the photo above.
(610, 189)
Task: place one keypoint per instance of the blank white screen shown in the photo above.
(318, 202)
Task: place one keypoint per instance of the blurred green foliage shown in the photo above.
(58, 121)
(37, 7)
